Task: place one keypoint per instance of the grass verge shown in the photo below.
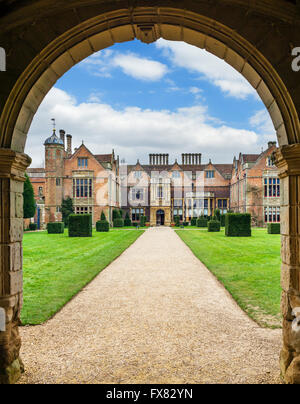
(248, 267)
(57, 267)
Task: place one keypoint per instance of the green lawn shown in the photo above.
(248, 267)
(57, 267)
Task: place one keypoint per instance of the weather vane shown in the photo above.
(54, 124)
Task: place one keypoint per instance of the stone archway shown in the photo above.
(160, 217)
(45, 38)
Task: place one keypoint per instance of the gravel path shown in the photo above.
(155, 315)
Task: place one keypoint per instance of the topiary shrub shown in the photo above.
(202, 222)
(273, 228)
(33, 226)
(29, 205)
(143, 221)
(127, 221)
(116, 214)
(222, 220)
(56, 228)
(103, 217)
(80, 226)
(214, 226)
(135, 224)
(193, 221)
(218, 215)
(238, 225)
(118, 222)
(185, 224)
(102, 226)
(177, 221)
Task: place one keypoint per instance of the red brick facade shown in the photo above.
(158, 190)
(92, 181)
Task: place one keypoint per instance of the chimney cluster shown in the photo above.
(191, 159)
(62, 136)
(158, 159)
(69, 145)
(271, 144)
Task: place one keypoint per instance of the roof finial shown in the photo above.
(54, 124)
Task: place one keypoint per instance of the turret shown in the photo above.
(54, 167)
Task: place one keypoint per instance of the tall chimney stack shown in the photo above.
(69, 145)
(62, 136)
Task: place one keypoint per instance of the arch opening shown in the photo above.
(149, 24)
(100, 33)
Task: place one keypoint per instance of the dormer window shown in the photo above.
(270, 162)
(82, 162)
(209, 174)
(137, 174)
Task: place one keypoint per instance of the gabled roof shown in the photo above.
(250, 158)
(103, 158)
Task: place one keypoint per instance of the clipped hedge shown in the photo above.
(202, 222)
(56, 228)
(186, 224)
(118, 222)
(33, 226)
(127, 221)
(194, 221)
(273, 228)
(102, 226)
(177, 221)
(214, 226)
(238, 225)
(222, 220)
(80, 226)
(143, 221)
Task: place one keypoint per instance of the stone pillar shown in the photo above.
(288, 163)
(12, 168)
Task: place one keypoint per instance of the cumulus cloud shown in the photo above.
(140, 68)
(104, 62)
(134, 132)
(261, 122)
(208, 66)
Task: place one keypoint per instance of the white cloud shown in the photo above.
(208, 66)
(140, 68)
(104, 62)
(261, 122)
(134, 132)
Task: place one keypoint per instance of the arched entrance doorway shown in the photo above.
(44, 39)
(160, 217)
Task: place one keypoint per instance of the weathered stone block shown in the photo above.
(292, 375)
(12, 373)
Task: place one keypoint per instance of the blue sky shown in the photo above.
(167, 97)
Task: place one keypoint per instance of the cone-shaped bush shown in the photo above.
(127, 221)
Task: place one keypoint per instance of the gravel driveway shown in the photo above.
(155, 315)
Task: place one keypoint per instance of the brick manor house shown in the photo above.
(91, 180)
(159, 190)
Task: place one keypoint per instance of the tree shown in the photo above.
(67, 209)
(29, 205)
(116, 214)
(218, 214)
